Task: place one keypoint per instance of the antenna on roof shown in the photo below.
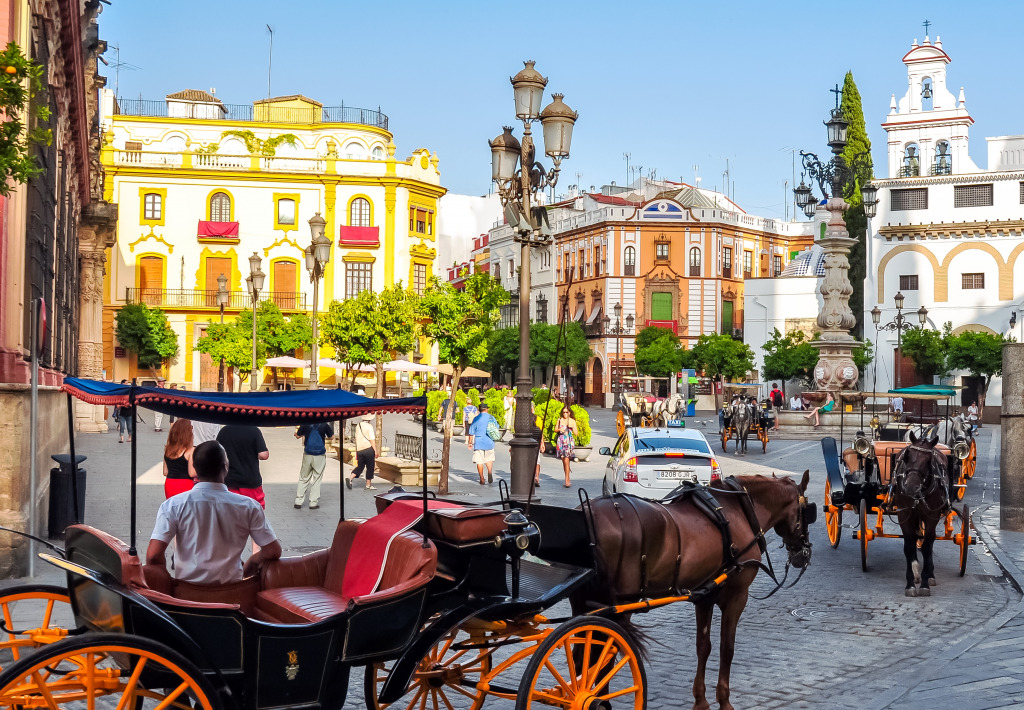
(118, 66)
(270, 59)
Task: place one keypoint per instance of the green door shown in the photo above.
(661, 306)
(727, 318)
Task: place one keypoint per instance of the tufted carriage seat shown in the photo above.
(300, 590)
(884, 451)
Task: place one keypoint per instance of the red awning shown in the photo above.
(217, 229)
(359, 237)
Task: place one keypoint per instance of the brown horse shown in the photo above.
(651, 550)
(920, 494)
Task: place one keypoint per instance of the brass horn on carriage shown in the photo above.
(862, 445)
(961, 449)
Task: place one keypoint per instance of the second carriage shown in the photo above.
(762, 416)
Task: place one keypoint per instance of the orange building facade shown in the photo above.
(677, 260)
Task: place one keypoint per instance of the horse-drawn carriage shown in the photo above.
(444, 601)
(869, 479)
(745, 416)
(635, 408)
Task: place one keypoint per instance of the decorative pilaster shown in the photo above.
(390, 199)
(835, 369)
(96, 234)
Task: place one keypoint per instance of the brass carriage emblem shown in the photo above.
(292, 669)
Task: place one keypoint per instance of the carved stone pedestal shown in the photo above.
(835, 369)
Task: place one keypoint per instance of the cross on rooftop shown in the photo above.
(926, 24)
(838, 92)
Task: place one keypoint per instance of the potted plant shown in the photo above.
(460, 406)
(548, 414)
(583, 433)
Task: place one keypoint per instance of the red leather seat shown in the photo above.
(300, 590)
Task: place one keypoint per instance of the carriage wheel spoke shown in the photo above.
(447, 704)
(620, 693)
(601, 659)
(90, 681)
(128, 693)
(419, 691)
(611, 674)
(571, 662)
(585, 672)
(558, 676)
(44, 691)
(49, 612)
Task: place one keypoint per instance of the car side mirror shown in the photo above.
(604, 451)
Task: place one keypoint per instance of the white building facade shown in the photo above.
(947, 235)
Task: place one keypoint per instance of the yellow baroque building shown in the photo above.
(202, 185)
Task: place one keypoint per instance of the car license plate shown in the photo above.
(677, 474)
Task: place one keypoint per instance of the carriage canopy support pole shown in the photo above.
(341, 463)
(423, 459)
(74, 461)
(134, 433)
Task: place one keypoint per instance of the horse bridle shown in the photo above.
(935, 474)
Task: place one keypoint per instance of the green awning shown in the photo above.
(932, 390)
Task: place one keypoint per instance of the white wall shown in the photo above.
(462, 218)
(768, 302)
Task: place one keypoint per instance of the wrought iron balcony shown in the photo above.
(247, 112)
(910, 171)
(172, 299)
(942, 170)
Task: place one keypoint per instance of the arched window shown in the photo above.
(355, 151)
(629, 261)
(943, 159)
(220, 207)
(911, 161)
(694, 261)
(927, 89)
(378, 153)
(359, 213)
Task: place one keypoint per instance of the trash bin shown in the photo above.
(62, 510)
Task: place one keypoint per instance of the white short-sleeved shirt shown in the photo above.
(210, 526)
(204, 431)
(897, 404)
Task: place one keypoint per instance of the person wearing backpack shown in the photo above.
(480, 439)
(314, 461)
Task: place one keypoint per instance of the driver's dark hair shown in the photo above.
(208, 459)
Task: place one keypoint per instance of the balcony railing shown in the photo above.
(942, 170)
(261, 113)
(910, 171)
(199, 298)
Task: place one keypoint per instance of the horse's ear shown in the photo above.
(804, 480)
(913, 437)
(934, 440)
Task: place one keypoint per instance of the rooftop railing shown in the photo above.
(259, 113)
(200, 298)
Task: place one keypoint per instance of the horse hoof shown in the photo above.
(910, 592)
(931, 582)
(924, 592)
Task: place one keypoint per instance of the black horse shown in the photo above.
(920, 494)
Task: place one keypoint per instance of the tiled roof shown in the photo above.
(611, 200)
(194, 95)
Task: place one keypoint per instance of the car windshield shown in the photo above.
(658, 443)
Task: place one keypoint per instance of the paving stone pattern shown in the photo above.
(840, 638)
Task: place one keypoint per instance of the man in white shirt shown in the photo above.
(210, 526)
(897, 405)
(795, 403)
(204, 431)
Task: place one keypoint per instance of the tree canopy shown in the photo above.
(718, 354)
(146, 332)
(926, 348)
(460, 324)
(981, 354)
(545, 351)
(657, 352)
(789, 357)
(276, 335)
(857, 155)
(503, 352)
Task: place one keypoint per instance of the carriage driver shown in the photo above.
(210, 526)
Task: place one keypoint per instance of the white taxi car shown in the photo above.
(651, 462)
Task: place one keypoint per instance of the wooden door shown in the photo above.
(286, 284)
(597, 395)
(215, 266)
(151, 277)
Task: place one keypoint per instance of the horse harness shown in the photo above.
(938, 479)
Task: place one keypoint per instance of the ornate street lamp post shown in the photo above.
(223, 296)
(835, 369)
(520, 179)
(255, 283)
(317, 255)
(897, 324)
(618, 331)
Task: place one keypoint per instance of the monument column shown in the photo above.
(96, 234)
(835, 369)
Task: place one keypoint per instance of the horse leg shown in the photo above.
(910, 552)
(732, 608)
(704, 612)
(928, 571)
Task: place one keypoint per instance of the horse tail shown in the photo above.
(641, 640)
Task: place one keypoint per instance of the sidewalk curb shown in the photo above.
(1005, 562)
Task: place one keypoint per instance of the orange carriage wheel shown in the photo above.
(620, 422)
(964, 538)
(124, 671)
(587, 662)
(764, 439)
(833, 517)
(33, 615)
(726, 435)
(445, 678)
(864, 535)
(971, 462)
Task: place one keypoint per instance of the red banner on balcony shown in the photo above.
(670, 324)
(359, 237)
(218, 230)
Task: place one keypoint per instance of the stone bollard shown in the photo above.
(1011, 473)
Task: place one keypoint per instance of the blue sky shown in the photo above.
(675, 84)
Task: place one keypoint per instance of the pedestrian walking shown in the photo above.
(173, 387)
(314, 461)
(565, 443)
(480, 440)
(366, 452)
(179, 473)
(509, 401)
(125, 425)
(972, 417)
(158, 417)
(245, 447)
(205, 431)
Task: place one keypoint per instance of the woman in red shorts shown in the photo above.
(180, 476)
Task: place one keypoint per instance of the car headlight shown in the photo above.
(961, 450)
(862, 445)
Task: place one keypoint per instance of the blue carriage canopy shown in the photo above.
(254, 408)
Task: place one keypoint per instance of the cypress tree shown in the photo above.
(856, 222)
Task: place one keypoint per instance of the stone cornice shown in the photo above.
(953, 230)
(962, 179)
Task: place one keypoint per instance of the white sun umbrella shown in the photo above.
(286, 361)
(407, 366)
(329, 362)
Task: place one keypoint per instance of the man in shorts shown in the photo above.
(245, 448)
(482, 445)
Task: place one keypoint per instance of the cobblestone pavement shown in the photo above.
(838, 639)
